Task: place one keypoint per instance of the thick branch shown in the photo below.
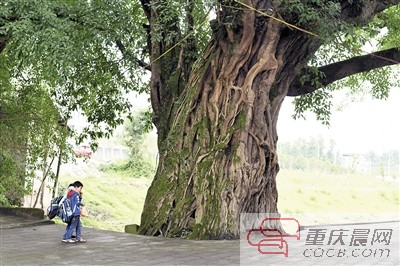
(3, 42)
(342, 69)
(146, 8)
(125, 53)
(361, 12)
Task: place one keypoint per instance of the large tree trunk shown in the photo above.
(217, 128)
(218, 158)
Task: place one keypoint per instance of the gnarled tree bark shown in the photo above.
(218, 136)
(219, 158)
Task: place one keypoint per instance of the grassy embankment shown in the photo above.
(338, 197)
(116, 198)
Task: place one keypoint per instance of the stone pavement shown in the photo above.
(331, 244)
(41, 245)
(29, 243)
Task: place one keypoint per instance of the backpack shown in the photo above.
(65, 211)
(52, 210)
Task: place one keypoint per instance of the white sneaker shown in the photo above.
(68, 241)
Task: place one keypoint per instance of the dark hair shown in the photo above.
(78, 184)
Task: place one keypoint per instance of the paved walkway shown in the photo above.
(30, 243)
(41, 245)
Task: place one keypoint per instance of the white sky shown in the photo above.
(357, 128)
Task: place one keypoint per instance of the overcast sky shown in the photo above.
(359, 127)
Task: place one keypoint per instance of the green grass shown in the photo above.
(115, 199)
(361, 196)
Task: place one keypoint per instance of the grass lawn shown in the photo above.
(115, 199)
(338, 198)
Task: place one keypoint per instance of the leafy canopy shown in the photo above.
(68, 48)
(381, 33)
(59, 57)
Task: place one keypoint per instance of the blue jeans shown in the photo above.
(79, 229)
(74, 224)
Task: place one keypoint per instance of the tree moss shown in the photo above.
(240, 122)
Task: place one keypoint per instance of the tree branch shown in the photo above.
(146, 8)
(361, 12)
(342, 69)
(3, 42)
(125, 53)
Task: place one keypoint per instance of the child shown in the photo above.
(70, 187)
(74, 196)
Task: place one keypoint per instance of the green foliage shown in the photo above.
(136, 129)
(390, 21)
(12, 186)
(87, 52)
(62, 57)
(376, 83)
(71, 46)
(170, 14)
(319, 102)
(319, 16)
(350, 41)
(135, 167)
(135, 132)
(183, 23)
(310, 154)
(30, 132)
(315, 154)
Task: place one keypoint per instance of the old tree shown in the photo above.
(220, 71)
(216, 117)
